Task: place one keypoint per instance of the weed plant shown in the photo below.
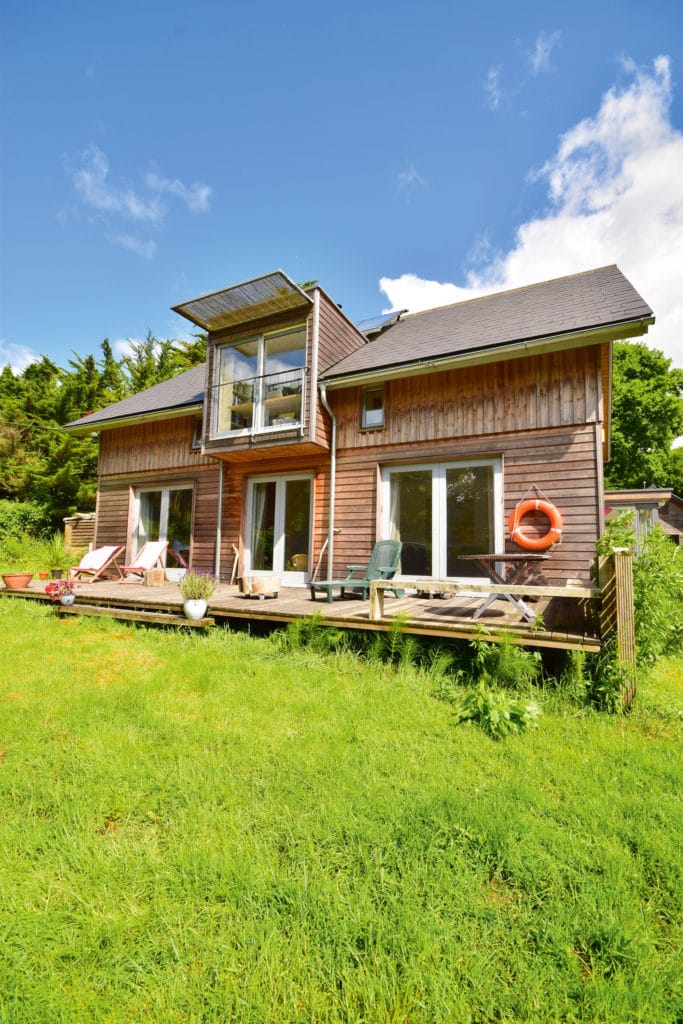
(217, 829)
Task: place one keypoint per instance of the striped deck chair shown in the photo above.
(97, 565)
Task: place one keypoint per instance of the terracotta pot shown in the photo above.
(43, 574)
(17, 580)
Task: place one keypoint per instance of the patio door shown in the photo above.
(441, 512)
(279, 527)
(165, 513)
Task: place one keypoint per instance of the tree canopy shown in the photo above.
(42, 463)
(647, 416)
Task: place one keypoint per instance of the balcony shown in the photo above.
(259, 405)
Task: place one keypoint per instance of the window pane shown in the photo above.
(285, 358)
(150, 516)
(469, 517)
(411, 519)
(297, 518)
(373, 408)
(179, 521)
(238, 368)
(263, 525)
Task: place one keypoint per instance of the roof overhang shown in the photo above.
(172, 413)
(270, 295)
(493, 354)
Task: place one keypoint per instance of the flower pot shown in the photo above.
(17, 580)
(56, 573)
(67, 599)
(43, 574)
(195, 609)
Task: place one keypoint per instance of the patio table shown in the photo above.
(520, 566)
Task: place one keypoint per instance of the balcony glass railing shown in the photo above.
(260, 404)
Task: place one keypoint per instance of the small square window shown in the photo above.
(197, 436)
(372, 414)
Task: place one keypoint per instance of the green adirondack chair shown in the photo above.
(383, 564)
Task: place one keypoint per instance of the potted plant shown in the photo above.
(61, 590)
(57, 557)
(195, 589)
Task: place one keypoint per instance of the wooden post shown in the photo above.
(617, 616)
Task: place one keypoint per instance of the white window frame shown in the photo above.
(439, 504)
(165, 490)
(258, 404)
(288, 577)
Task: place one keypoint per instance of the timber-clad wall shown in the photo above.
(155, 454)
(540, 415)
(532, 393)
(147, 447)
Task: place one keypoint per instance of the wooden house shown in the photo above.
(306, 437)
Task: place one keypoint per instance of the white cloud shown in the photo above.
(196, 196)
(16, 356)
(145, 247)
(116, 201)
(492, 88)
(615, 191)
(540, 57)
(408, 181)
(95, 189)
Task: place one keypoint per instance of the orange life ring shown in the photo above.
(535, 543)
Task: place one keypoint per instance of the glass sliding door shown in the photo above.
(279, 527)
(165, 513)
(441, 512)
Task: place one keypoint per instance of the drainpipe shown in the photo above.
(219, 521)
(333, 474)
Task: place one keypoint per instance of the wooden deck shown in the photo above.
(564, 622)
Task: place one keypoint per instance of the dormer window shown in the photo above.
(259, 383)
(372, 412)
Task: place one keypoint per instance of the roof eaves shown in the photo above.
(492, 353)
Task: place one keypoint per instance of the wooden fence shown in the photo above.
(617, 617)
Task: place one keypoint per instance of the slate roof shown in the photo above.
(187, 389)
(580, 302)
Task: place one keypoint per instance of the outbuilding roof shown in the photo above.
(566, 305)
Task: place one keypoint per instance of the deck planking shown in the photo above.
(564, 622)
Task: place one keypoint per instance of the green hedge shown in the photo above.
(23, 517)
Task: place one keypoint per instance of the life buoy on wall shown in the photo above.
(535, 543)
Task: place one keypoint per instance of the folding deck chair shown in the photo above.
(150, 555)
(98, 564)
(383, 564)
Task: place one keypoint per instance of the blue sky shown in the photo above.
(402, 154)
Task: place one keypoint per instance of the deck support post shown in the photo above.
(617, 616)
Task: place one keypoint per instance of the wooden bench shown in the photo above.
(452, 587)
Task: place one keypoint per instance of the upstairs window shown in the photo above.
(260, 383)
(372, 413)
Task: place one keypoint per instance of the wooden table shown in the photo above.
(520, 565)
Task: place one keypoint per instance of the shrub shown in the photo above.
(197, 586)
(495, 711)
(20, 517)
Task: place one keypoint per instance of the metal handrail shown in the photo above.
(258, 389)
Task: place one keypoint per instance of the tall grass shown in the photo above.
(220, 829)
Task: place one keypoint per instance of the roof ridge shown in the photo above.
(511, 291)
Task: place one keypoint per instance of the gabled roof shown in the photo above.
(581, 304)
(182, 393)
(565, 306)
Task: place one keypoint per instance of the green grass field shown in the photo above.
(214, 829)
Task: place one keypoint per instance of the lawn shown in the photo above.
(216, 829)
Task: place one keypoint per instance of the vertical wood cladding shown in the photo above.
(560, 389)
(150, 446)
